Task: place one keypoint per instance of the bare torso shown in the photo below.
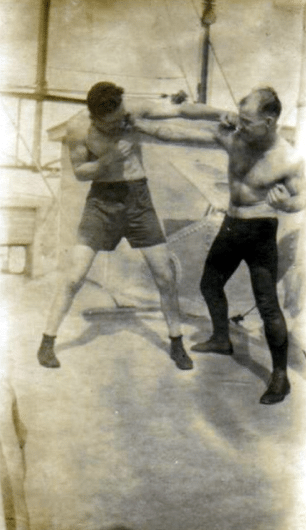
(99, 144)
(253, 172)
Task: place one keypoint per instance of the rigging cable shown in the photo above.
(179, 60)
(216, 58)
(196, 10)
(223, 74)
(101, 72)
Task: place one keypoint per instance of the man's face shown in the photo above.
(252, 126)
(110, 123)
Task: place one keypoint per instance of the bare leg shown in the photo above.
(69, 284)
(159, 261)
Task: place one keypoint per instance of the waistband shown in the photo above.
(250, 221)
(260, 210)
(118, 184)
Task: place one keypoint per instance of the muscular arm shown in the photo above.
(163, 110)
(290, 195)
(176, 133)
(83, 168)
(199, 111)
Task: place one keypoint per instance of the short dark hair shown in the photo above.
(269, 103)
(104, 97)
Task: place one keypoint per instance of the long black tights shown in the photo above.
(254, 241)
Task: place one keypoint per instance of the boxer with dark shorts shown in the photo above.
(105, 148)
(116, 210)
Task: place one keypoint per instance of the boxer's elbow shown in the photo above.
(295, 204)
(82, 174)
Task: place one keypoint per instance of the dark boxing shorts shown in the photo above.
(114, 210)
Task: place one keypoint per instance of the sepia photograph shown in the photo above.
(152, 265)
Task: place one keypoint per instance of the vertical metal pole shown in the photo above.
(204, 66)
(40, 77)
(18, 131)
(208, 18)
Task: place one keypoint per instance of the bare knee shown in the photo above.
(73, 286)
(165, 278)
(74, 271)
(72, 283)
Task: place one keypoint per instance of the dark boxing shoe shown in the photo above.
(214, 346)
(278, 388)
(45, 355)
(179, 355)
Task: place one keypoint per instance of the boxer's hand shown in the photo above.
(127, 123)
(278, 196)
(229, 121)
(125, 148)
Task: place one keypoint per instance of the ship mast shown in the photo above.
(41, 83)
(208, 18)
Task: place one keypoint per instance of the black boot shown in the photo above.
(278, 388)
(178, 354)
(45, 354)
(214, 345)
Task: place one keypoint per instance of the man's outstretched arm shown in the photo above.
(190, 111)
(177, 133)
(163, 110)
(199, 111)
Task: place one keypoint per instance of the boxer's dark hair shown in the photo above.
(269, 104)
(103, 98)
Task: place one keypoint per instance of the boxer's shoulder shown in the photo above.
(77, 126)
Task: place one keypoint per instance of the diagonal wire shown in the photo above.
(223, 74)
(216, 59)
(176, 50)
(35, 162)
(196, 9)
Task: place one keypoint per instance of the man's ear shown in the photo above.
(270, 121)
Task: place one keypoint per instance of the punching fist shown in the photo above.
(277, 196)
(229, 121)
(125, 148)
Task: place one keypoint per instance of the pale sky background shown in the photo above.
(149, 47)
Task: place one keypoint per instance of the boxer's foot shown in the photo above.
(46, 356)
(213, 345)
(179, 355)
(278, 388)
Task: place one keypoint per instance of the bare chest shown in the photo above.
(254, 169)
(98, 143)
